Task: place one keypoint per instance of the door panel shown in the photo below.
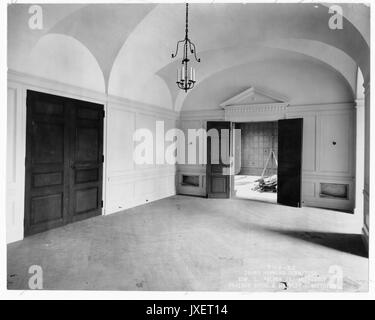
(48, 142)
(46, 188)
(46, 208)
(218, 160)
(289, 162)
(86, 160)
(86, 144)
(47, 179)
(86, 175)
(64, 146)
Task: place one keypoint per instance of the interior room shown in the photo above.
(136, 133)
(256, 161)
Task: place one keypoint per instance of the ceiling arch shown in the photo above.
(358, 15)
(226, 58)
(103, 29)
(300, 28)
(132, 43)
(302, 79)
(21, 39)
(77, 66)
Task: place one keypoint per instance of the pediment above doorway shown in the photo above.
(255, 98)
(255, 103)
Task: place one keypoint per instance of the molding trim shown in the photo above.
(359, 103)
(246, 104)
(186, 168)
(64, 89)
(366, 86)
(219, 114)
(145, 174)
(327, 175)
(322, 107)
(256, 108)
(365, 237)
(142, 107)
(59, 87)
(239, 99)
(365, 191)
(202, 115)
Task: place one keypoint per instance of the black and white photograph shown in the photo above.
(187, 147)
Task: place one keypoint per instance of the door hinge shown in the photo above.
(102, 158)
(102, 203)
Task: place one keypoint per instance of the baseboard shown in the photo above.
(140, 201)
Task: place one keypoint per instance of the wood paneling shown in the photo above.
(64, 148)
(130, 184)
(120, 140)
(335, 143)
(218, 156)
(309, 143)
(290, 162)
(257, 140)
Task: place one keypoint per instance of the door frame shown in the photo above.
(233, 152)
(257, 113)
(21, 84)
(68, 144)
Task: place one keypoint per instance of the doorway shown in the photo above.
(223, 149)
(256, 161)
(64, 161)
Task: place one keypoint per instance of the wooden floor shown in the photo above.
(187, 244)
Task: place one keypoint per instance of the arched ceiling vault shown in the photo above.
(228, 58)
(103, 29)
(301, 79)
(132, 43)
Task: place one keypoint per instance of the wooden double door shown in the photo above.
(64, 161)
(219, 173)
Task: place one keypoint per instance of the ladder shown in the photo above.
(272, 154)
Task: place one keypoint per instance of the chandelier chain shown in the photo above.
(185, 79)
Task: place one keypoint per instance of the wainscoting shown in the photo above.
(328, 146)
(130, 184)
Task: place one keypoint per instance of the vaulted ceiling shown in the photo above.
(125, 50)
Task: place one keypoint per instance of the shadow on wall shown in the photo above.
(344, 242)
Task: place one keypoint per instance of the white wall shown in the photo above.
(301, 80)
(130, 184)
(322, 161)
(16, 141)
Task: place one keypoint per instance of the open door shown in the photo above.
(218, 159)
(290, 162)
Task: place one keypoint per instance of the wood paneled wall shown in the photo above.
(257, 141)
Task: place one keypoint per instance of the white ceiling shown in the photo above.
(126, 49)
